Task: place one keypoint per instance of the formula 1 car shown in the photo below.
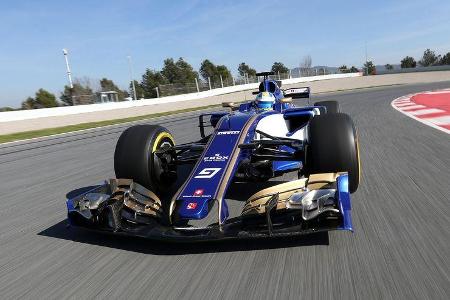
(253, 142)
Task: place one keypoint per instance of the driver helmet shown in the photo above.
(265, 100)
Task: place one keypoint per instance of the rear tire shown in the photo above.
(331, 106)
(135, 158)
(333, 147)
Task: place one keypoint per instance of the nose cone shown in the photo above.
(194, 208)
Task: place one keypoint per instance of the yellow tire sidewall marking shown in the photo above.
(161, 136)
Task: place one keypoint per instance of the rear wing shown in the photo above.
(297, 93)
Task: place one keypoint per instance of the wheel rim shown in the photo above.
(164, 139)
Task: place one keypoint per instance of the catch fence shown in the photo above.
(200, 85)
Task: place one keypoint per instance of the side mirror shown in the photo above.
(298, 93)
(230, 105)
(286, 100)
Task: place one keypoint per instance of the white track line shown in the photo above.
(412, 107)
(427, 111)
(444, 120)
(406, 104)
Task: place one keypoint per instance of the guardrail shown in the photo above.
(81, 109)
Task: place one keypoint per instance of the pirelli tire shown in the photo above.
(331, 106)
(333, 147)
(135, 158)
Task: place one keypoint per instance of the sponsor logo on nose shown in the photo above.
(228, 132)
(198, 192)
(191, 205)
(216, 158)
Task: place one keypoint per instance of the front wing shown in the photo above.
(315, 204)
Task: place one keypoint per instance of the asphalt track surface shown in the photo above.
(400, 248)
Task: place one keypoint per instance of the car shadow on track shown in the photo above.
(140, 245)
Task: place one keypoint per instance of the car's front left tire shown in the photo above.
(135, 157)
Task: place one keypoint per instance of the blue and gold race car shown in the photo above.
(253, 142)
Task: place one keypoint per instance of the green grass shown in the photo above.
(51, 131)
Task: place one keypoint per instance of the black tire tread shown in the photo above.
(332, 147)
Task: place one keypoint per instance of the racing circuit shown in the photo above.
(400, 247)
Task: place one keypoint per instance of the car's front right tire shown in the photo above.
(331, 106)
(333, 147)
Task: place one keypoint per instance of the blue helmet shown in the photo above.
(265, 100)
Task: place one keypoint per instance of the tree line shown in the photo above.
(84, 91)
(429, 58)
(182, 73)
(88, 91)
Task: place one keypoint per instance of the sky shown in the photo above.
(99, 36)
